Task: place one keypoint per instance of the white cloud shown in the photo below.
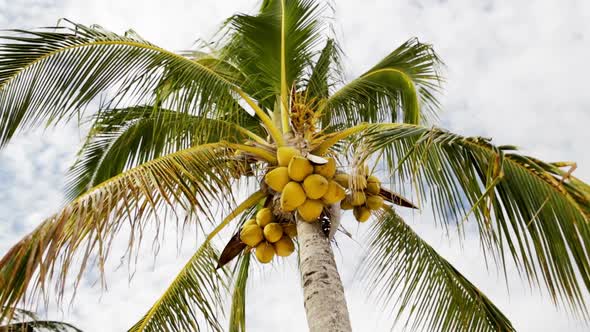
(516, 72)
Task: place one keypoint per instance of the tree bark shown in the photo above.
(323, 293)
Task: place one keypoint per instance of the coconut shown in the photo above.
(373, 185)
(290, 229)
(311, 210)
(326, 170)
(265, 252)
(251, 235)
(277, 179)
(358, 198)
(342, 179)
(345, 204)
(285, 154)
(292, 196)
(273, 232)
(250, 222)
(361, 213)
(334, 194)
(374, 202)
(264, 217)
(299, 168)
(284, 247)
(315, 186)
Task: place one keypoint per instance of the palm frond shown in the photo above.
(237, 319)
(28, 321)
(39, 326)
(189, 180)
(279, 39)
(196, 288)
(427, 288)
(50, 75)
(121, 139)
(401, 87)
(531, 209)
(325, 72)
(194, 295)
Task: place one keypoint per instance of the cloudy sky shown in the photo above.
(517, 71)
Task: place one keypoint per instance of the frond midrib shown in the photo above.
(506, 157)
(144, 165)
(550, 183)
(404, 76)
(284, 89)
(107, 43)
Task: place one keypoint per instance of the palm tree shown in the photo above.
(264, 107)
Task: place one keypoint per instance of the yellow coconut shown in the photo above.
(251, 235)
(273, 232)
(264, 217)
(299, 168)
(334, 194)
(278, 178)
(265, 252)
(358, 182)
(250, 222)
(373, 185)
(285, 154)
(358, 198)
(290, 229)
(311, 210)
(284, 247)
(315, 186)
(342, 179)
(374, 202)
(292, 196)
(361, 213)
(326, 170)
(345, 204)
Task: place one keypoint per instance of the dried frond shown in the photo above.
(189, 181)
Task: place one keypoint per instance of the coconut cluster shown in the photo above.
(270, 238)
(364, 194)
(305, 187)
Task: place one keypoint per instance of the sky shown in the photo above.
(516, 71)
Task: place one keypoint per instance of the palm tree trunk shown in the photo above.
(323, 293)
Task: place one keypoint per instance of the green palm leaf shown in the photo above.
(533, 210)
(401, 87)
(325, 71)
(237, 320)
(273, 48)
(124, 138)
(193, 295)
(433, 294)
(49, 75)
(189, 180)
(196, 288)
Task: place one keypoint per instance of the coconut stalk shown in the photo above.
(323, 294)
